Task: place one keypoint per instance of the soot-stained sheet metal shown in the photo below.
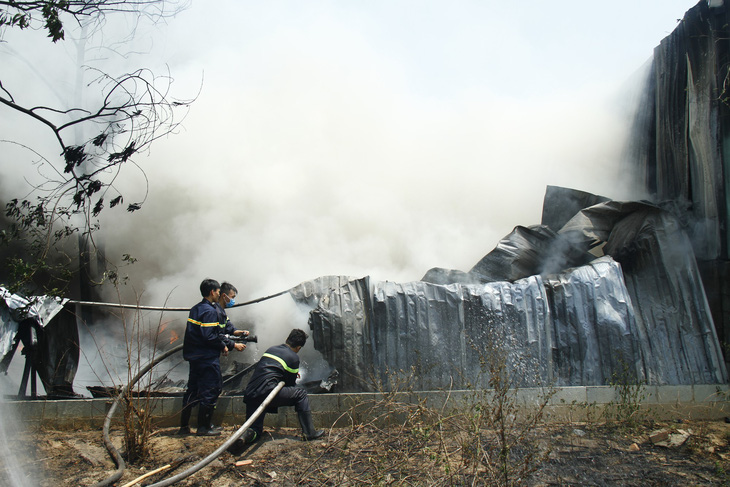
(434, 334)
(54, 352)
(593, 325)
(15, 309)
(550, 332)
(674, 323)
(672, 313)
(342, 317)
(680, 134)
(438, 334)
(638, 310)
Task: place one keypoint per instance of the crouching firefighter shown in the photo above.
(202, 347)
(279, 363)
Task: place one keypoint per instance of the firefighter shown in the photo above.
(226, 300)
(202, 347)
(279, 363)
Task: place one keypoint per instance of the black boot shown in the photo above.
(240, 445)
(305, 420)
(205, 414)
(249, 436)
(214, 427)
(185, 420)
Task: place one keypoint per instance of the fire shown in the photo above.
(163, 326)
(173, 336)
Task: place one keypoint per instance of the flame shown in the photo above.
(173, 336)
(163, 326)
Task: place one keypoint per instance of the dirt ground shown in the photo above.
(678, 453)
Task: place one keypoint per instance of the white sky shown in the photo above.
(376, 138)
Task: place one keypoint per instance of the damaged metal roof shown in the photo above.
(558, 313)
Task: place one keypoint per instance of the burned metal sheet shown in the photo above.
(432, 334)
(680, 141)
(551, 332)
(679, 134)
(49, 335)
(674, 323)
(639, 311)
(672, 313)
(15, 308)
(342, 317)
(526, 251)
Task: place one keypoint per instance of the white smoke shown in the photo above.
(381, 139)
(316, 149)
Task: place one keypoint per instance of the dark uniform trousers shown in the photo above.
(204, 383)
(288, 396)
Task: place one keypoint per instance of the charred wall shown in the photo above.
(682, 141)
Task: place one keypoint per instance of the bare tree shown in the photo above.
(136, 108)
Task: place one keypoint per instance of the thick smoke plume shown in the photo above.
(375, 139)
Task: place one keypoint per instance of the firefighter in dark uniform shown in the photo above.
(202, 347)
(227, 299)
(279, 363)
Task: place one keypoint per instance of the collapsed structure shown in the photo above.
(561, 314)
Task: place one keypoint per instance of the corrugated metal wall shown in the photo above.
(640, 310)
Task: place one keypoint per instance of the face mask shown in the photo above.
(230, 303)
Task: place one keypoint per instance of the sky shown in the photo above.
(378, 138)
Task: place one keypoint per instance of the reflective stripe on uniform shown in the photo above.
(202, 324)
(282, 362)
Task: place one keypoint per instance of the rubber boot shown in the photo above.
(239, 446)
(214, 427)
(305, 420)
(205, 414)
(185, 420)
(249, 436)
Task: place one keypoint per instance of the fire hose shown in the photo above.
(165, 308)
(229, 442)
(114, 452)
(117, 456)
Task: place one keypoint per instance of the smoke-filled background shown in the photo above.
(359, 138)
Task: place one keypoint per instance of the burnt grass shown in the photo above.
(416, 452)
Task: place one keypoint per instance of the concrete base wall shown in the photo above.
(567, 404)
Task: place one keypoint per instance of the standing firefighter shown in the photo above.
(202, 347)
(279, 363)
